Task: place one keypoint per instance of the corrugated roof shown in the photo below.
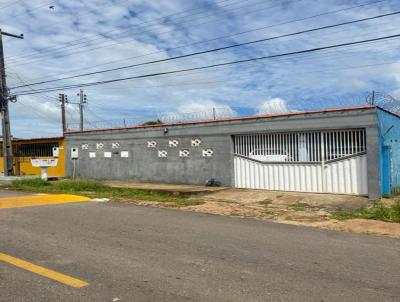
(246, 118)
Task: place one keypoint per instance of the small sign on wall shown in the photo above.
(124, 153)
(107, 154)
(92, 154)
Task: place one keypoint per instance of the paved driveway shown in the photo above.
(133, 253)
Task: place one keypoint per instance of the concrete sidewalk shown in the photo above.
(172, 188)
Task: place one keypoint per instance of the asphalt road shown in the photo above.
(134, 253)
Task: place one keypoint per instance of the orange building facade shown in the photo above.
(43, 148)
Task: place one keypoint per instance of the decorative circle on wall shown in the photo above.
(162, 153)
(184, 153)
(99, 146)
(173, 143)
(195, 142)
(208, 152)
(115, 145)
(151, 144)
(85, 146)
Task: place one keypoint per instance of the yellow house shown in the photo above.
(26, 149)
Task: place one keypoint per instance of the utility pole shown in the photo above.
(63, 100)
(373, 98)
(5, 115)
(82, 101)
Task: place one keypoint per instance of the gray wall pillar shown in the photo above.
(373, 163)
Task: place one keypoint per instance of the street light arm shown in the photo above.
(21, 36)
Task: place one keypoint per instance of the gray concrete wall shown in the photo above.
(143, 164)
(373, 163)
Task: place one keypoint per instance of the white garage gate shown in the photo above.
(318, 161)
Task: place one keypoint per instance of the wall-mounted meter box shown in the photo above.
(74, 153)
(56, 152)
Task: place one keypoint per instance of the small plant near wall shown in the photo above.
(265, 202)
(378, 211)
(396, 191)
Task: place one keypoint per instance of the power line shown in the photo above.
(123, 42)
(21, 80)
(231, 35)
(71, 43)
(205, 83)
(278, 60)
(95, 46)
(101, 36)
(213, 50)
(211, 66)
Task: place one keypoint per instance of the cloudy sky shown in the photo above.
(70, 37)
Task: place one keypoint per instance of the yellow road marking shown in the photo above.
(39, 200)
(73, 282)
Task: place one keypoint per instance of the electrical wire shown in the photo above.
(105, 34)
(325, 54)
(212, 65)
(230, 35)
(122, 42)
(71, 43)
(214, 50)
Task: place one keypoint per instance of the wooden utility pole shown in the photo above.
(5, 115)
(63, 100)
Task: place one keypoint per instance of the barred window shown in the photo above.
(34, 150)
(312, 146)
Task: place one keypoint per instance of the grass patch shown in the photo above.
(298, 206)
(29, 182)
(265, 202)
(377, 212)
(396, 191)
(97, 189)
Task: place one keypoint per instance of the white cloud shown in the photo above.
(273, 106)
(137, 32)
(201, 105)
(201, 109)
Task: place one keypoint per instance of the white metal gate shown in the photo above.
(325, 161)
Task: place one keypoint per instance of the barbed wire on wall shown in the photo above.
(383, 100)
(212, 113)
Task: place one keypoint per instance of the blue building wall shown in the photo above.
(389, 151)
